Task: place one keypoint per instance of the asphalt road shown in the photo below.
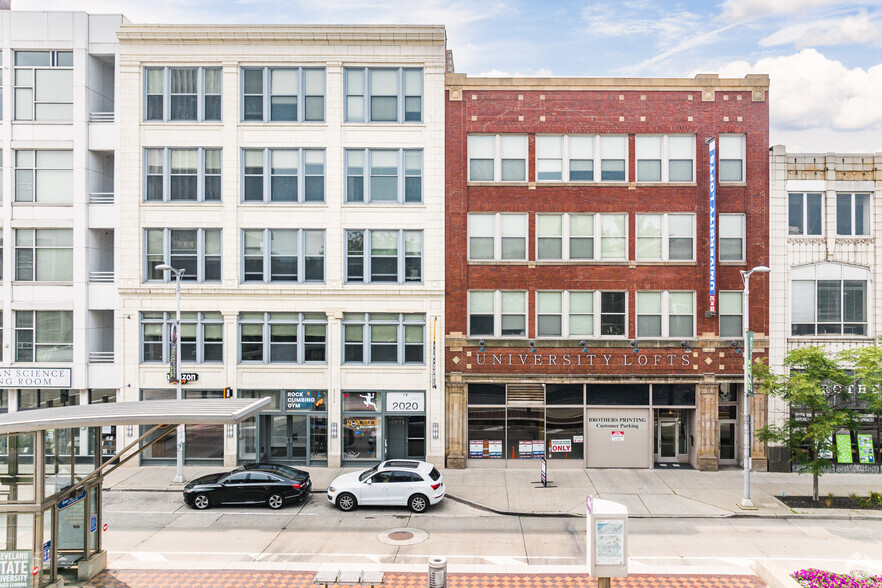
(156, 530)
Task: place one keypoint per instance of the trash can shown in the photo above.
(437, 572)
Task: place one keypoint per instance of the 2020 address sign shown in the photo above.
(405, 401)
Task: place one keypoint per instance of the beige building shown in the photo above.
(296, 174)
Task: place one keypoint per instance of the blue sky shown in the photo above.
(824, 56)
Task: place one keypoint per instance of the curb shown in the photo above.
(773, 575)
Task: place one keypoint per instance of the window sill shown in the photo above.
(43, 122)
(391, 123)
(839, 338)
(383, 363)
(258, 203)
(381, 284)
(65, 204)
(732, 184)
(41, 283)
(732, 263)
(183, 202)
(500, 183)
(284, 123)
(561, 184)
(662, 184)
(388, 204)
(200, 123)
(812, 238)
(657, 262)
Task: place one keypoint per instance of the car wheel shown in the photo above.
(346, 502)
(418, 503)
(275, 501)
(201, 501)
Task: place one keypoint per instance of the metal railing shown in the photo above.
(101, 277)
(101, 357)
(101, 198)
(101, 117)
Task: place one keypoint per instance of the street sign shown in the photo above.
(749, 360)
(542, 472)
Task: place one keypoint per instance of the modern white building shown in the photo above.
(826, 263)
(296, 174)
(59, 137)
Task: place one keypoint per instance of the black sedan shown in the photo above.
(270, 484)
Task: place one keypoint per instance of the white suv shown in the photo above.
(397, 482)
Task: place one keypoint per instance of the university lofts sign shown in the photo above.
(35, 377)
(585, 359)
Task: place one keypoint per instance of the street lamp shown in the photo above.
(163, 267)
(748, 352)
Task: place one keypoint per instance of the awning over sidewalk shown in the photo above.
(221, 411)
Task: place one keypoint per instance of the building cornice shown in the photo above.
(750, 82)
(305, 35)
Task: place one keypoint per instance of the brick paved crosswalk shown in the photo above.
(299, 579)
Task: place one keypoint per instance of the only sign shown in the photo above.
(561, 445)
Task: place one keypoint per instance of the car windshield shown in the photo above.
(367, 473)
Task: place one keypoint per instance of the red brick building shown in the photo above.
(578, 311)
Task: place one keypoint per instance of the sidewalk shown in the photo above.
(646, 493)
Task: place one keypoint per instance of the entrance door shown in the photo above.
(405, 437)
(727, 442)
(287, 436)
(667, 440)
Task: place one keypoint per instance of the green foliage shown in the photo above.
(876, 498)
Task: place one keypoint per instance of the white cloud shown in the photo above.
(741, 10)
(629, 19)
(810, 91)
(858, 29)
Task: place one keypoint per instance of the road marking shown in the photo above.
(507, 561)
(148, 556)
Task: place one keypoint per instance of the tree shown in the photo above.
(867, 366)
(817, 390)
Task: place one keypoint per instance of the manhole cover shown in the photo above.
(402, 536)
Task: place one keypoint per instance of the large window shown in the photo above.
(571, 237)
(731, 237)
(44, 255)
(805, 213)
(730, 152)
(665, 314)
(731, 314)
(283, 337)
(44, 176)
(497, 237)
(189, 175)
(383, 94)
(613, 159)
(283, 175)
(853, 214)
(384, 256)
(565, 158)
(384, 338)
(665, 237)
(182, 93)
(283, 94)
(44, 85)
(829, 307)
(283, 255)
(202, 336)
(497, 158)
(665, 158)
(497, 314)
(197, 251)
(43, 335)
(384, 175)
(566, 314)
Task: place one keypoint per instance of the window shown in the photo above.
(497, 237)
(613, 236)
(283, 94)
(44, 85)
(197, 251)
(498, 314)
(176, 175)
(571, 236)
(665, 314)
(44, 255)
(852, 214)
(829, 307)
(283, 255)
(613, 159)
(384, 256)
(665, 158)
(283, 175)
(731, 237)
(565, 314)
(805, 214)
(43, 335)
(613, 314)
(574, 158)
(731, 309)
(665, 237)
(44, 176)
(731, 156)
(384, 94)
(182, 93)
(283, 337)
(497, 158)
(384, 338)
(395, 175)
(202, 336)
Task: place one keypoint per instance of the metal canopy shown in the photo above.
(221, 411)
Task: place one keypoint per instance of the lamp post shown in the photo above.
(179, 472)
(748, 352)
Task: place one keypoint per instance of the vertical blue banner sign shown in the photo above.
(748, 359)
(712, 226)
(173, 365)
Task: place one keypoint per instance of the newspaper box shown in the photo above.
(607, 539)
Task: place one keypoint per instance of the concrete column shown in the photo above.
(759, 409)
(456, 419)
(707, 427)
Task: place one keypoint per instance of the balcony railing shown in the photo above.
(101, 277)
(101, 357)
(101, 117)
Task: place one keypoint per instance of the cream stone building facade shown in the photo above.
(826, 264)
(297, 173)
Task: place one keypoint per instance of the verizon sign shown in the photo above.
(35, 377)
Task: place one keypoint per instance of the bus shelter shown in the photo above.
(51, 472)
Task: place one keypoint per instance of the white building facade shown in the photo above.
(826, 265)
(296, 175)
(59, 138)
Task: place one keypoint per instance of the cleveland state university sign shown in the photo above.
(586, 359)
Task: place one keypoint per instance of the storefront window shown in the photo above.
(486, 431)
(102, 396)
(564, 424)
(17, 468)
(486, 394)
(526, 433)
(360, 436)
(4, 401)
(362, 401)
(248, 439)
(318, 435)
(274, 395)
(617, 395)
(204, 442)
(573, 394)
(30, 399)
(673, 394)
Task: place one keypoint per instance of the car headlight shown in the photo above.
(331, 489)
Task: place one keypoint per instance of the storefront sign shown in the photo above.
(476, 449)
(494, 449)
(586, 359)
(617, 423)
(359, 423)
(843, 448)
(617, 435)
(538, 449)
(304, 400)
(15, 569)
(712, 225)
(578, 439)
(406, 401)
(865, 449)
(561, 446)
(185, 377)
(35, 377)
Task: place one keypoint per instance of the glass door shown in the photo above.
(278, 437)
(667, 440)
(727, 442)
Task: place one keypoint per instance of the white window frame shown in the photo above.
(67, 346)
(497, 158)
(497, 314)
(665, 237)
(369, 320)
(34, 248)
(566, 236)
(21, 88)
(167, 276)
(664, 158)
(168, 319)
(367, 174)
(804, 198)
(366, 93)
(596, 157)
(267, 257)
(830, 272)
(266, 321)
(267, 95)
(166, 94)
(567, 314)
(721, 156)
(366, 256)
(167, 174)
(268, 175)
(721, 314)
(498, 236)
(853, 208)
(34, 187)
(665, 315)
(743, 237)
